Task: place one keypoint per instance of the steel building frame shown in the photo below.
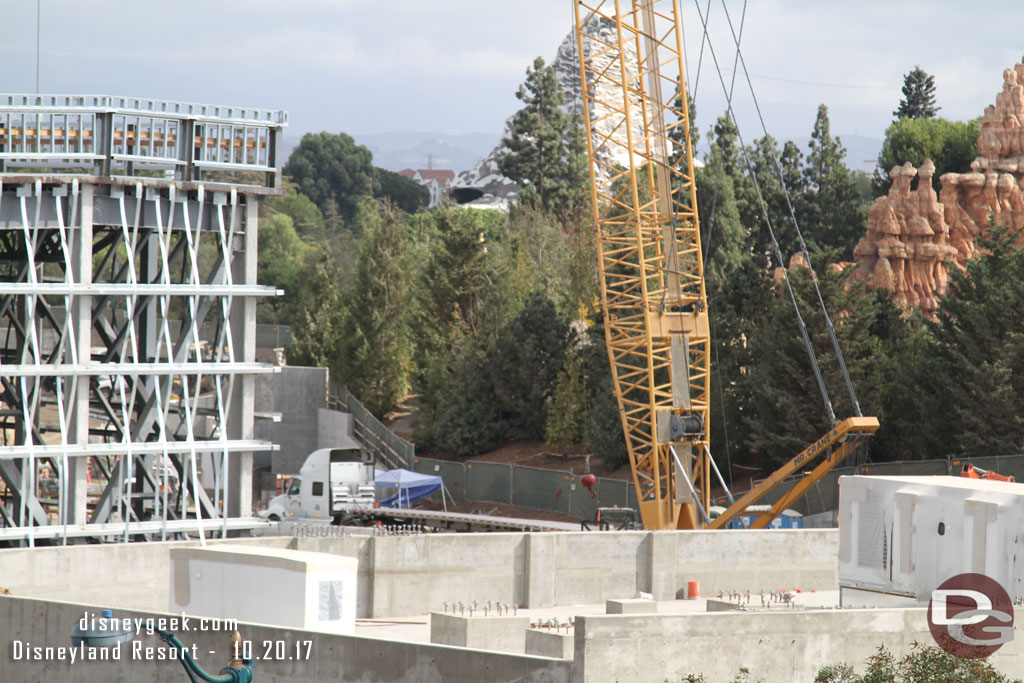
(125, 226)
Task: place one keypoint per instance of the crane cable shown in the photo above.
(711, 224)
(792, 216)
(771, 232)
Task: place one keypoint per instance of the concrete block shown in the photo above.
(720, 606)
(549, 644)
(630, 606)
(493, 633)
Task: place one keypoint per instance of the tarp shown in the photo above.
(412, 486)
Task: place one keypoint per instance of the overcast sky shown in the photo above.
(452, 66)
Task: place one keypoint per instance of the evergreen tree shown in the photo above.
(724, 240)
(282, 264)
(316, 336)
(776, 397)
(540, 142)
(832, 215)
(918, 96)
(528, 357)
(376, 357)
(763, 155)
(979, 343)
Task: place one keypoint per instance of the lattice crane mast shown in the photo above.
(651, 268)
(651, 265)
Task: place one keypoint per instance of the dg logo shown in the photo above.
(970, 616)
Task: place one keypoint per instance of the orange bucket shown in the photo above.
(692, 589)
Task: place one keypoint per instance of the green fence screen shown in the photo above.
(489, 481)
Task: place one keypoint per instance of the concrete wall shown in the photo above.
(775, 646)
(133, 575)
(417, 574)
(332, 657)
(404, 575)
(297, 393)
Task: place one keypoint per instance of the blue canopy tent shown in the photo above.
(411, 486)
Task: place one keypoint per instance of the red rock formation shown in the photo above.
(914, 236)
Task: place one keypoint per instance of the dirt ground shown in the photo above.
(403, 421)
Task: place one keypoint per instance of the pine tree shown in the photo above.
(377, 350)
(832, 214)
(918, 96)
(540, 143)
(977, 385)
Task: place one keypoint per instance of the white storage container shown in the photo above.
(907, 535)
(274, 586)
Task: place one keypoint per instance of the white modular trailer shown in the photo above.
(276, 586)
(907, 535)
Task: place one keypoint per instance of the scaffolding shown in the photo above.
(126, 226)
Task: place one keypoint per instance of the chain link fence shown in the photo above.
(543, 489)
(529, 487)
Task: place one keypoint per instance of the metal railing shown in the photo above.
(391, 449)
(125, 136)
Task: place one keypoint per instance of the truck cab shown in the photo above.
(333, 483)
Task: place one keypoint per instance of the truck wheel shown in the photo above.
(274, 518)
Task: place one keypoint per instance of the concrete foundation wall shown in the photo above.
(775, 646)
(331, 657)
(404, 575)
(132, 575)
(414, 575)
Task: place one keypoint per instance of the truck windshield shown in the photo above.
(293, 487)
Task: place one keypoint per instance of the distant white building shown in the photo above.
(435, 180)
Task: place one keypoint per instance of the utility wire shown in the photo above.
(771, 231)
(796, 226)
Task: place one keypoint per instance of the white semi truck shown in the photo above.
(333, 484)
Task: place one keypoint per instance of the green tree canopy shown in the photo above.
(332, 168)
(337, 174)
(951, 145)
(282, 264)
(307, 219)
(404, 193)
(543, 145)
(978, 379)
(376, 352)
(918, 96)
(831, 215)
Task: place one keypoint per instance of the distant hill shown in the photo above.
(395, 151)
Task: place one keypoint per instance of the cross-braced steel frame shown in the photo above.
(118, 244)
(652, 276)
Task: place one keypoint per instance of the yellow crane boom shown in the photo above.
(651, 267)
(652, 273)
